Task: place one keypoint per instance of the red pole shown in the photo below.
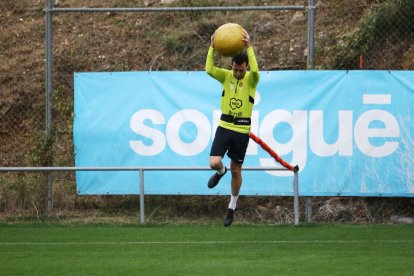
(273, 153)
(361, 62)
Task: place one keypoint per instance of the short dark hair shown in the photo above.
(240, 59)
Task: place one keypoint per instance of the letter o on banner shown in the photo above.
(203, 132)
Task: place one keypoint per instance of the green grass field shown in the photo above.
(206, 249)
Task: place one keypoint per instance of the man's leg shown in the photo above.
(236, 178)
(236, 181)
(218, 149)
(216, 164)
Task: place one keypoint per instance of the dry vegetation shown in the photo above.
(156, 41)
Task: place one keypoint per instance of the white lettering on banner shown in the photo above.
(376, 99)
(137, 125)
(363, 133)
(203, 132)
(343, 145)
(172, 132)
(297, 145)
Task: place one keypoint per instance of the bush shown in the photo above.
(383, 24)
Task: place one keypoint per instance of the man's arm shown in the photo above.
(254, 67)
(215, 72)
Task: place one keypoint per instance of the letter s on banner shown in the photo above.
(137, 125)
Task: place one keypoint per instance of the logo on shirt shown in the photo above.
(235, 103)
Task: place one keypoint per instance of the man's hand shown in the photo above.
(246, 38)
(212, 40)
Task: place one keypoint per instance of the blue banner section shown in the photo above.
(350, 132)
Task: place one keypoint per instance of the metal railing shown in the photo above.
(141, 170)
(181, 9)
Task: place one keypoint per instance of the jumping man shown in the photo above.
(232, 134)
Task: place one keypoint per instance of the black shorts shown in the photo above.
(232, 142)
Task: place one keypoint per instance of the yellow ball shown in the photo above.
(228, 40)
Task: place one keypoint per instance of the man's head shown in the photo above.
(239, 65)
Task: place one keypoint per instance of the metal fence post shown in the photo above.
(310, 65)
(311, 33)
(48, 97)
(308, 209)
(296, 196)
(141, 196)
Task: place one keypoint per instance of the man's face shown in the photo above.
(239, 70)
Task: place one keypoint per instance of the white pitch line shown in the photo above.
(205, 242)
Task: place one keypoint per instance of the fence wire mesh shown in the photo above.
(369, 34)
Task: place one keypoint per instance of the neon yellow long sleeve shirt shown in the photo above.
(237, 98)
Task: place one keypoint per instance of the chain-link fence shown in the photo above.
(21, 80)
(369, 34)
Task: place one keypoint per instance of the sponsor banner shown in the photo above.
(350, 132)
